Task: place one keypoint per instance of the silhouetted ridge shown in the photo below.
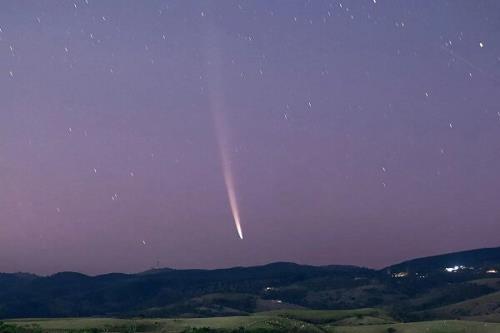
(169, 292)
(478, 258)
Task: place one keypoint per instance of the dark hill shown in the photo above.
(75, 294)
(478, 259)
(243, 290)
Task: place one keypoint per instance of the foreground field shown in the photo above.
(439, 326)
(349, 321)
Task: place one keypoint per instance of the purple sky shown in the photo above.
(362, 132)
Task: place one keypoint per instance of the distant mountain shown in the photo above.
(485, 259)
(412, 288)
(166, 291)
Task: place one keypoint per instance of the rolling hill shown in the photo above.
(418, 289)
(480, 259)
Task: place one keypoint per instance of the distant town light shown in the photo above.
(400, 275)
(491, 271)
(454, 269)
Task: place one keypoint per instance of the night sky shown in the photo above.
(362, 132)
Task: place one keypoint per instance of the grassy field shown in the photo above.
(321, 317)
(440, 326)
(348, 321)
(268, 322)
(480, 306)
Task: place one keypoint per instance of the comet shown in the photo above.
(227, 170)
(216, 101)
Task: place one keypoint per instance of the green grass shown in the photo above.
(304, 321)
(329, 316)
(440, 326)
(484, 305)
(169, 325)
